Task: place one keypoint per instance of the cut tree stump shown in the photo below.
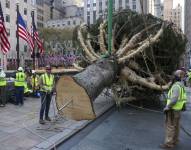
(79, 91)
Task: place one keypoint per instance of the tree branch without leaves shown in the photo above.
(131, 76)
(136, 38)
(145, 45)
(81, 39)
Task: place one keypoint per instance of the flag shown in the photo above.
(4, 42)
(36, 37)
(23, 33)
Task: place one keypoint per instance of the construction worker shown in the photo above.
(20, 82)
(3, 84)
(46, 88)
(175, 104)
(34, 82)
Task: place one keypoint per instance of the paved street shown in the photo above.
(129, 129)
(20, 130)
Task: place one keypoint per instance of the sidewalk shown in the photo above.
(20, 130)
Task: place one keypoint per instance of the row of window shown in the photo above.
(7, 17)
(101, 11)
(68, 23)
(7, 3)
(106, 3)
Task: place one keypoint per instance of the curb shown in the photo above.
(59, 138)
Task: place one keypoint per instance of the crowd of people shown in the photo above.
(58, 60)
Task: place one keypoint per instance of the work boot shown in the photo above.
(41, 121)
(165, 146)
(47, 119)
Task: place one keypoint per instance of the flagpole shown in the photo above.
(17, 46)
(34, 55)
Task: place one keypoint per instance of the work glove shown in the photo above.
(166, 109)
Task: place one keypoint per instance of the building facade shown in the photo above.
(43, 8)
(40, 13)
(73, 16)
(187, 29)
(173, 14)
(154, 8)
(69, 22)
(10, 16)
(94, 9)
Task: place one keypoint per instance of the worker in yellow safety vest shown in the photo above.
(34, 81)
(176, 102)
(3, 84)
(20, 83)
(46, 89)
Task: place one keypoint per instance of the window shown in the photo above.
(100, 7)
(63, 25)
(134, 7)
(7, 18)
(74, 22)
(25, 48)
(8, 31)
(94, 4)
(68, 22)
(88, 5)
(88, 20)
(106, 3)
(88, 13)
(126, 3)
(25, 11)
(94, 16)
(120, 3)
(25, 22)
(25, 1)
(7, 4)
(40, 25)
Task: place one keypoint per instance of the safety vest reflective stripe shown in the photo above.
(189, 75)
(3, 82)
(34, 81)
(20, 79)
(181, 99)
(48, 82)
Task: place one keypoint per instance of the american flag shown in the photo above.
(36, 37)
(4, 42)
(23, 33)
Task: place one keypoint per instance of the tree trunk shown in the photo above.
(83, 88)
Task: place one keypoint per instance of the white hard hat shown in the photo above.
(20, 69)
(33, 71)
(2, 74)
(179, 73)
